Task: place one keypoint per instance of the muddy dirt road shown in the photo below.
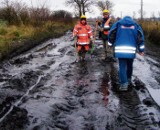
(45, 89)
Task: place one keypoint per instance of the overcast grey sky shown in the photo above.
(122, 7)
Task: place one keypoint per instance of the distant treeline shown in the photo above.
(18, 13)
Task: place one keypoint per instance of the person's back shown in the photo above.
(126, 36)
(126, 40)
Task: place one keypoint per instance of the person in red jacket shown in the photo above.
(83, 32)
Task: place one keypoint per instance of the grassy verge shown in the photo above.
(152, 31)
(16, 39)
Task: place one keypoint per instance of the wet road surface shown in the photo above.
(45, 89)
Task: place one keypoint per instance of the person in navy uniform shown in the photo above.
(127, 38)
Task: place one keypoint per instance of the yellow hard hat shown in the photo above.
(106, 11)
(83, 17)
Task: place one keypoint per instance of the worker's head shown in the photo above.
(83, 19)
(105, 13)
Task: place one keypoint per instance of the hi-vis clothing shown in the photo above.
(86, 47)
(106, 26)
(84, 33)
(127, 37)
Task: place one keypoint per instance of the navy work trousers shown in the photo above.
(125, 70)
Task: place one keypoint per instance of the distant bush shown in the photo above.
(62, 15)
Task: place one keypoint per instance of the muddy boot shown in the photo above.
(123, 87)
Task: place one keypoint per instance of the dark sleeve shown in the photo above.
(110, 23)
(112, 34)
(99, 23)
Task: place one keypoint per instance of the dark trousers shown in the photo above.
(125, 70)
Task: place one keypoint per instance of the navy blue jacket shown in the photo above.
(127, 37)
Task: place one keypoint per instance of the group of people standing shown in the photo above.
(125, 37)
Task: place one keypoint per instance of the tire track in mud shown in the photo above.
(73, 96)
(138, 111)
(85, 101)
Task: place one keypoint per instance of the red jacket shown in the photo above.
(83, 32)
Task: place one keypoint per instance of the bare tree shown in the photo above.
(81, 6)
(9, 13)
(14, 12)
(40, 13)
(22, 11)
(105, 5)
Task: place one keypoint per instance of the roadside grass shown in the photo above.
(13, 37)
(152, 31)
